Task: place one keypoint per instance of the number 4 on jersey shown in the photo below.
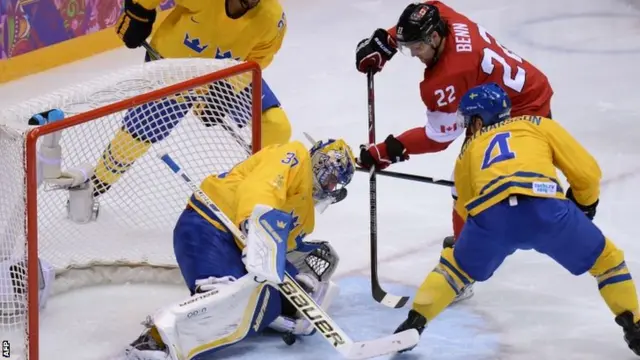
(498, 150)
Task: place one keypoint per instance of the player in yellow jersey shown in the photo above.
(511, 197)
(251, 30)
(270, 196)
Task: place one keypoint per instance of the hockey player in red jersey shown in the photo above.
(458, 54)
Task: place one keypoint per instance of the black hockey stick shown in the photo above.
(378, 293)
(153, 54)
(412, 177)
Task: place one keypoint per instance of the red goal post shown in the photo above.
(138, 210)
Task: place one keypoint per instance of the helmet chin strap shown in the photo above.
(436, 56)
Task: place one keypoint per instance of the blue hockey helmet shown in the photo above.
(487, 101)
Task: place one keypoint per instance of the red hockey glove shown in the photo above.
(382, 155)
(374, 52)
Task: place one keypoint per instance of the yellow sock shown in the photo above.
(275, 127)
(116, 159)
(441, 286)
(617, 288)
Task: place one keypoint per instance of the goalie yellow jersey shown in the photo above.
(201, 28)
(520, 156)
(279, 176)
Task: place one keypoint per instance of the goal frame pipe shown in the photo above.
(31, 183)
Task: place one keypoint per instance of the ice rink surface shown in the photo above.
(531, 308)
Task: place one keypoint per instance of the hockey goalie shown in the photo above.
(271, 198)
(12, 265)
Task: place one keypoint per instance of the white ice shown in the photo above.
(531, 308)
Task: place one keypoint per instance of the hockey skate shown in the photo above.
(414, 321)
(148, 346)
(631, 331)
(467, 291)
(82, 207)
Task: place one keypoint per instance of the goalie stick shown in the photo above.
(379, 294)
(303, 302)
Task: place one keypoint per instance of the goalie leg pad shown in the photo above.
(203, 250)
(211, 321)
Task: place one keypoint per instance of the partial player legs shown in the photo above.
(478, 252)
(614, 281)
(579, 246)
(276, 128)
(142, 126)
(449, 241)
(202, 250)
(216, 109)
(457, 221)
(618, 290)
(153, 122)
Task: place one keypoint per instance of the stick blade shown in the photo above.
(383, 346)
(389, 300)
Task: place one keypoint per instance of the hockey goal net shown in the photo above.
(204, 112)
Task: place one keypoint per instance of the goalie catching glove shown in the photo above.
(317, 261)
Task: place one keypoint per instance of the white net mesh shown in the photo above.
(205, 126)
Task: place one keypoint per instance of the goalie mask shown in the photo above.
(333, 167)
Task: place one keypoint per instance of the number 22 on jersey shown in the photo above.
(498, 150)
(510, 80)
